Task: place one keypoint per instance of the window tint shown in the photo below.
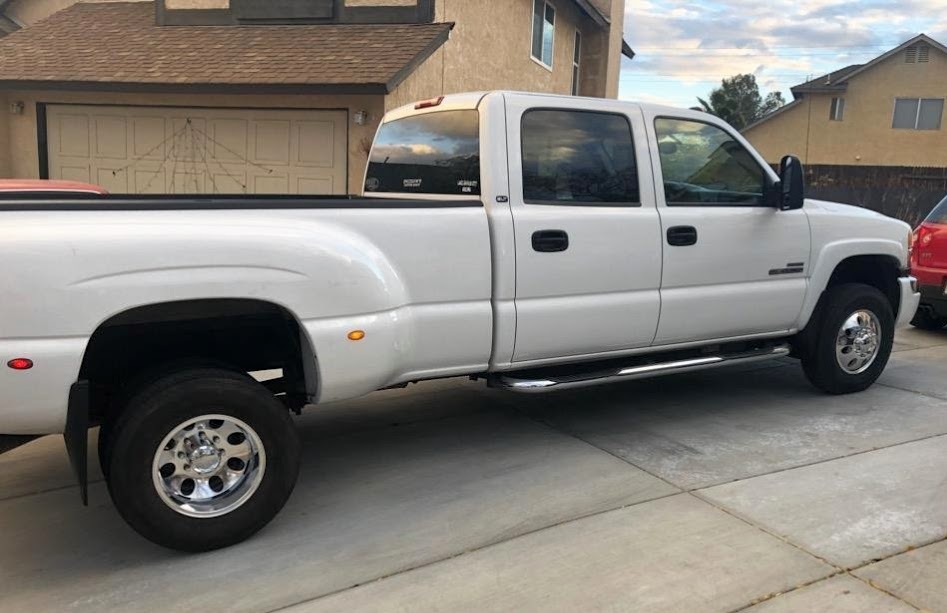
(939, 214)
(544, 31)
(436, 153)
(703, 165)
(575, 157)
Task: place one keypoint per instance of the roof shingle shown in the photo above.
(117, 43)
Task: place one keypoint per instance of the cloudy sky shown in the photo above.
(685, 47)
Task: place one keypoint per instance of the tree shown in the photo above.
(738, 101)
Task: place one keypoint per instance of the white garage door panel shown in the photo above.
(194, 150)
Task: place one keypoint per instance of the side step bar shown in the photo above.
(533, 385)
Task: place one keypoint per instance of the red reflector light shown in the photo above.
(426, 104)
(20, 364)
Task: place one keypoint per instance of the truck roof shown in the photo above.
(472, 100)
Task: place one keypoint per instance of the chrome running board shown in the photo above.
(515, 382)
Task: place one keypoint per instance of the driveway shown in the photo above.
(739, 489)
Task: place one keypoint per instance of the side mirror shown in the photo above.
(792, 184)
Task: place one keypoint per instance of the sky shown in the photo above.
(685, 47)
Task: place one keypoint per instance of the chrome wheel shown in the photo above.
(208, 466)
(858, 342)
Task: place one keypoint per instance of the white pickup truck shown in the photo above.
(537, 242)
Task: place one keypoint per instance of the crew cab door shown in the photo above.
(588, 250)
(733, 264)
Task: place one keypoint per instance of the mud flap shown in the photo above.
(77, 435)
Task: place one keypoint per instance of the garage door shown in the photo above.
(196, 150)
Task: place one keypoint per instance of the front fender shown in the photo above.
(828, 258)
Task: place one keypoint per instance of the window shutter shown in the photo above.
(910, 56)
(923, 54)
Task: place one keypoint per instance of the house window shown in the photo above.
(576, 60)
(837, 111)
(544, 32)
(918, 113)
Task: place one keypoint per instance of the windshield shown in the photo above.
(434, 153)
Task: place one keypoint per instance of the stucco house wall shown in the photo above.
(502, 48)
(864, 137)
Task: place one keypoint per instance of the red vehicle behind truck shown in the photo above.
(929, 265)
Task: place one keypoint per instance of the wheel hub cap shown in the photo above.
(208, 466)
(858, 341)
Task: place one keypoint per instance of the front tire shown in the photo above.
(852, 339)
(202, 459)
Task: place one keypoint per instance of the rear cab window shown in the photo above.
(434, 153)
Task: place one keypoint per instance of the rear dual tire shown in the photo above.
(200, 459)
(851, 341)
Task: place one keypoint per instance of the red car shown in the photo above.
(40, 186)
(929, 265)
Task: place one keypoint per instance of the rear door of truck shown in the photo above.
(587, 232)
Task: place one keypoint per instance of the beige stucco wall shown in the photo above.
(486, 52)
(865, 136)
(29, 12)
(20, 144)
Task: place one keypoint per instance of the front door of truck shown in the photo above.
(588, 249)
(734, 264)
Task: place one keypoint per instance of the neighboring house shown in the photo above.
(268, 95)
(886, 113)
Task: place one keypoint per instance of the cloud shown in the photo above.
(685, 47)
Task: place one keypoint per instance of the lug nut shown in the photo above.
(180, 455)
(187, 467)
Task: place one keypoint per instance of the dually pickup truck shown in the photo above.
(536, 242)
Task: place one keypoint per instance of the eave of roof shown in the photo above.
(117, 46)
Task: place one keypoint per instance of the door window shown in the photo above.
(703, 165)
(578, 158)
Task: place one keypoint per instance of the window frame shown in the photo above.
(547, 5)
(582, 203)
(837, 109)
(768, 183)
(576, 62)
(917, 116)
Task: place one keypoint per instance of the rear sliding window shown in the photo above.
(435, 153)
(939, 214)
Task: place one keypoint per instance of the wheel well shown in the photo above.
(240, 334)
(879, 271)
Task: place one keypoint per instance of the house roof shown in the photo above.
(838, 80)
(827, 82)
(116, 45)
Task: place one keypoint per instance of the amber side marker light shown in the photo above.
(356, 335)
(20, 363)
